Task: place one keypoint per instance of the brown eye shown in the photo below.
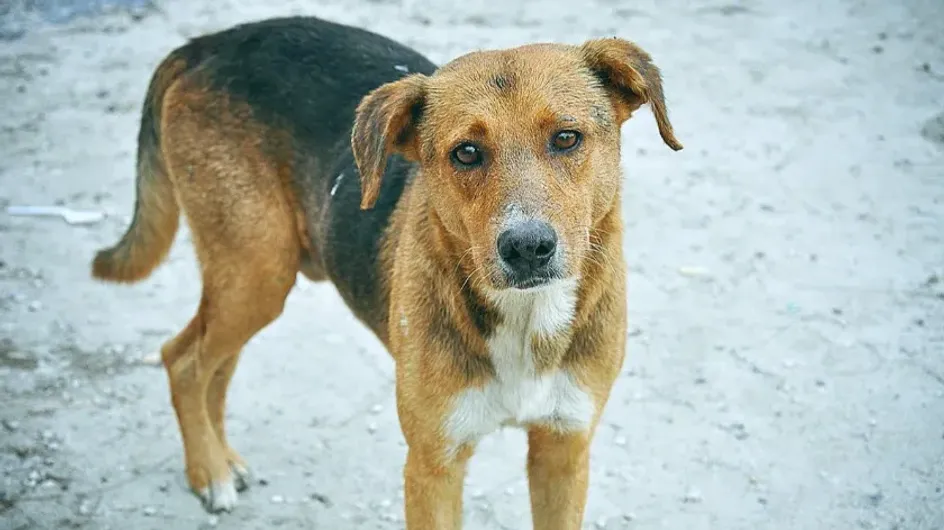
(565, 140)
(467, 155)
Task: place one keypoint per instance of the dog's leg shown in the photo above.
(229, 178)
(201, 359)
(558, 473)
(188, 376)
(216, 406)
(244, 235)
(433, 488)
(244, 290)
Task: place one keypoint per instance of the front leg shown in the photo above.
(436, 462)
(433, 488)
(558, 474)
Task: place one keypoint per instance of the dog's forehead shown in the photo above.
(522, 54)
(538, 76)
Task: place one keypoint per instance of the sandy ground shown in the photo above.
(786, 356)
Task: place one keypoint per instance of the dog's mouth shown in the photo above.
(536, 279)
(533, 282)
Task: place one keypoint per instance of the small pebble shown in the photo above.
(371, 427)
(277, 499)
(692, 497)
(34, 306)
(150, 511)
(600, 523)
(629, 517)
(323, 499)
(151, 359)
(694, 272)
(620, 441)
(213, 520)
(376, 409)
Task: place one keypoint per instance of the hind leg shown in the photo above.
(229, 181)
(216, 407)
(200, 361)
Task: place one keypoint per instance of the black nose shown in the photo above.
(527, 247)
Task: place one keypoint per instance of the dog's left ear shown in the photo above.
(628, 73)
(385, 123)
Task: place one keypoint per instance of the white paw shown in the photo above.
(220, 496)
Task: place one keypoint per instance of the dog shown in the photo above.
(468, 214)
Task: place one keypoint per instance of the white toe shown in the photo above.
(220, 496)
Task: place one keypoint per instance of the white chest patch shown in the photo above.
(518, 395)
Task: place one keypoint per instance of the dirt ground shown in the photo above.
(786, 356)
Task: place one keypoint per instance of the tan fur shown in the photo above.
(230, 180)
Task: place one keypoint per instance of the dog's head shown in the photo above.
(519, 149)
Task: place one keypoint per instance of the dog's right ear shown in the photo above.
(385, 123)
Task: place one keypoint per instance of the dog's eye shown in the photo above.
(565, 140)
(467, 155)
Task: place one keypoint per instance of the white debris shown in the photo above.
(692, 497)
(694, 272)
(73, 217)
(151, 359)
(337, 182)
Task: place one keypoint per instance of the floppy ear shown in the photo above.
(385, 123)
(628, 73)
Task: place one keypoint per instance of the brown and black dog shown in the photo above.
(469, 215)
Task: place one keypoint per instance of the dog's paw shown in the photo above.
(220, 496)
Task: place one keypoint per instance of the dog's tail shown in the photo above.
(156, 213)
